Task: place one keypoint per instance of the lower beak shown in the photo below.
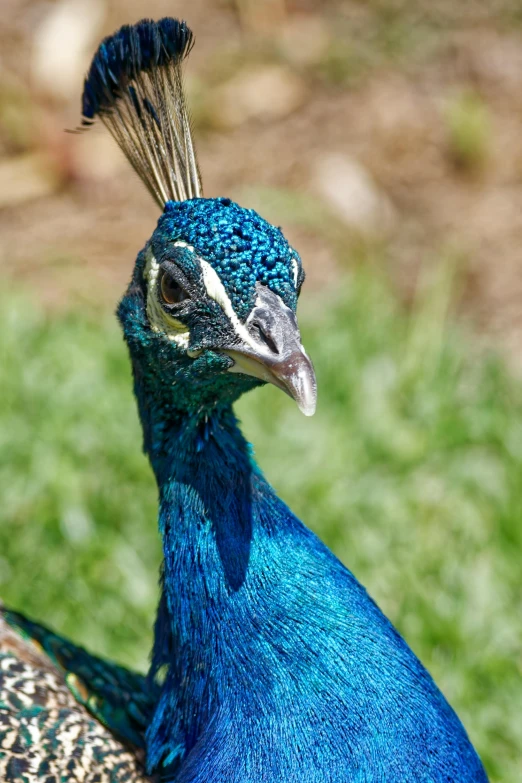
(273, 351)
(294, 375)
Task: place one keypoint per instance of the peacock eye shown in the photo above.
(171, 291)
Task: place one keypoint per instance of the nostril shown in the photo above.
(262, 335)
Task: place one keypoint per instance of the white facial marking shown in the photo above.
(295, 267)
(216, 291)
(159, 320)
(180, 243)
(174, 330)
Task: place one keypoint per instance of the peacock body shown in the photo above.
(270, 661)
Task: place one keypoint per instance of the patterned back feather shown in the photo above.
(65, 714)
(135, 87)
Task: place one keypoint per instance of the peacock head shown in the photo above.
(210, 311)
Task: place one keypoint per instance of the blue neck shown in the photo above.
(205, 471)
(273, 662)
(208, 488)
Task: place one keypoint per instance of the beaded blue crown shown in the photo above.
(241, 246)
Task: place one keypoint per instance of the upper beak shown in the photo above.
(270, 349)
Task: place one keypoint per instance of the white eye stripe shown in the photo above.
(174, 330)
(216, 291)
(295, 267)
(160, 321)
(186, 245)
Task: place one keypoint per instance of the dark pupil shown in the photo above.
(171, 291)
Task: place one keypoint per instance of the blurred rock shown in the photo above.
(261, 17)
(265, 93)
(304, 39)
(25, 178)
(63, 45)
(491, 59)
(350, 192)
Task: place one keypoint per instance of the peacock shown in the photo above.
(270, 662)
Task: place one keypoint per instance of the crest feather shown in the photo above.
(135, 87)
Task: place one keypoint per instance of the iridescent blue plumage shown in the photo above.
(241, 246)
(270, 662)
(280, 667)
(277, 664)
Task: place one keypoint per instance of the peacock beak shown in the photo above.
(271, 350)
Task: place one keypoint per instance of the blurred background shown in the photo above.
(385, 137)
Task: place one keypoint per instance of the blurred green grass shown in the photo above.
(411, 470)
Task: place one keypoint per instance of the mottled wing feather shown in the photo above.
(45, 733)
(121, 699)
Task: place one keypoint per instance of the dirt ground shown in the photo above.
(391, 126)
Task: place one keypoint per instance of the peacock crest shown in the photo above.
(135, 87)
